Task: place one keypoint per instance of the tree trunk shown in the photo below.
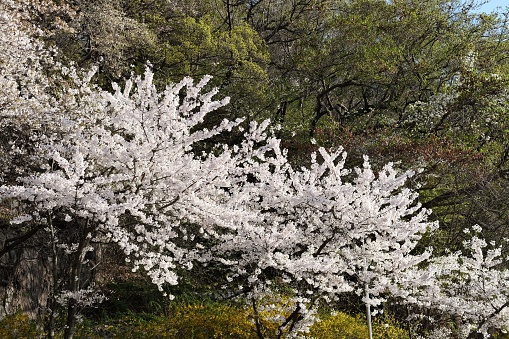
(25, 278)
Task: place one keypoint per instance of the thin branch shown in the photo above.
(257, 320)
(11, 243)
(291, 318)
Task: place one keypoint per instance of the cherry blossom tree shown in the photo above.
(122, 170)
(325, 228)
(106, 167)
(469, 286)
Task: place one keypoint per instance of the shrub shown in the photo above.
(220, 320)
(17, 326)
(210, 321)
(197, 321)
(344, 326)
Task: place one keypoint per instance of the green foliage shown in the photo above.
(195, 42)
(221, 320)
(210, 320)
(17, 326)
(344, 326)
(340, 326)
(198, 320)
(370, 59)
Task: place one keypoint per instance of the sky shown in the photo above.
(493, 4)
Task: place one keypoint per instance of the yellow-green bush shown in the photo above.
(339, 326)
(17, 326)
(210, 321)
(344, 326)
(185, 321)
(217, 320)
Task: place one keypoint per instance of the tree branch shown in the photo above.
(10, 244)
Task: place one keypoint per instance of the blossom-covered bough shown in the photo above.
(329, 229)
(471, 286)
(122, 167)
(124, 172)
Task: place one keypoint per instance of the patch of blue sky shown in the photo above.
(493, 5)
